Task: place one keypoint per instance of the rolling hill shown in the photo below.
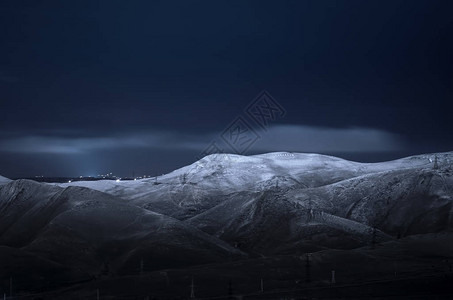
(225, 209)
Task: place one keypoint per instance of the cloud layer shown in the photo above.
(276, 138)
(320, 139)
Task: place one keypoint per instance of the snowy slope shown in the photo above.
(268, 223)
(243, 172)
(193, 189)
(221, 207)
(224, 207)
(397, 199)
(332, 185)
(270, 203)
(398, 202)
(4, 180)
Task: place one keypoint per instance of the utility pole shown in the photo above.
(142, 266)
(436, 165)
(333, 277)
(97, 294)
(167, 280)
(373, 238)
(307, 269)
(192, 290)
(262, 285)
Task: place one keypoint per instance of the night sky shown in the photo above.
(144, 87)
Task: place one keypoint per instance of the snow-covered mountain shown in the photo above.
(184, 192)
(397, 196)
(221, 208)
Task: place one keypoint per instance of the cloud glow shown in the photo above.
(278, 138)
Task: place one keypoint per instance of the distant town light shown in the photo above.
(118, 180)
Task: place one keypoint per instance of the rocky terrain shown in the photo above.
(290, 218)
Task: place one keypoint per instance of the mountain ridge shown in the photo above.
(226, 210)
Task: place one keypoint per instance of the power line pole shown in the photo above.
(142, 266)
(192, 290)
(373, 237)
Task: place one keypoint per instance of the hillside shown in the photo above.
(190, 190)
(245, 215)
(85, 230)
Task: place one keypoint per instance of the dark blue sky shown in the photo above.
(88, 87)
